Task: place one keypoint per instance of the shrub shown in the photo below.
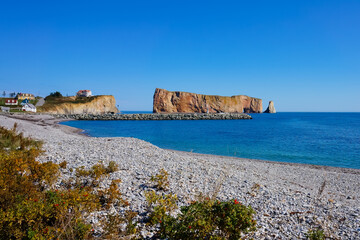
(113, 225)
(112, 167)
(160, 206)
(315, 234)
(23, 209)
(11, 141)
(161, 180)
(111, 196)
(206, 218)
(209, 219)
(63, 164)
(56, 94)
(97, 171)
(31, 208)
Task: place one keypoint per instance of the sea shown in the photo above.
(329, 139)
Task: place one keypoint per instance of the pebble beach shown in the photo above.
(289, 199)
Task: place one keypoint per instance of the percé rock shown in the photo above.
(271, 108)
(170, 102)
(94, 105)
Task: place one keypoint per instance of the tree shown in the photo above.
(55, 94)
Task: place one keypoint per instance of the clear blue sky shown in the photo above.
(304, 55)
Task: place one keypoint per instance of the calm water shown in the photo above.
(331, 139)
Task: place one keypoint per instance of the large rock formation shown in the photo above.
(271, 108)
(170, 102)
(87, 105)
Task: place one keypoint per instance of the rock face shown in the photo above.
(171, 102)
(271, 108)
(93, 105)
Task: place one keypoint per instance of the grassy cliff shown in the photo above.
(78, 105)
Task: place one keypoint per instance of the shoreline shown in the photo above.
(312, 166)
(287, 197)
(78, 131)
(315, 166)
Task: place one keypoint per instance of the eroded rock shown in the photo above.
(170, 102)
(271, 108)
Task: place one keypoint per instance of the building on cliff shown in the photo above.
(22, 96)
(84, 93)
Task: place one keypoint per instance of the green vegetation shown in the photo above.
(315, 234)
(31, 207)
(209, 219)
(97, 171)
(206, 218)
(34, 102)
(56, 98)
(161, 180)
(55, 94)
(18, 107)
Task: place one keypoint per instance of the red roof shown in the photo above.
(10, 100)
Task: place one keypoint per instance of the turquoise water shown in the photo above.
(331, 139)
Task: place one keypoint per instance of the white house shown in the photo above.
(84, 93)
(28, 107)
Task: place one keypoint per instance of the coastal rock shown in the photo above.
(271, 108)
(91, 105)
(170, 102)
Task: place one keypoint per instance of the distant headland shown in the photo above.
(101, 104)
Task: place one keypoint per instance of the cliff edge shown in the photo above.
(171, 102)
(79, 105)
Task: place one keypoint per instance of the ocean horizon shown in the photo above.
(319, 138)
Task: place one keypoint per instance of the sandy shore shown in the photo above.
(289, 198)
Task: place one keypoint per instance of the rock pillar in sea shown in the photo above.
(271, 108)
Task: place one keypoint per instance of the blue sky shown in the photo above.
(303, 55)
